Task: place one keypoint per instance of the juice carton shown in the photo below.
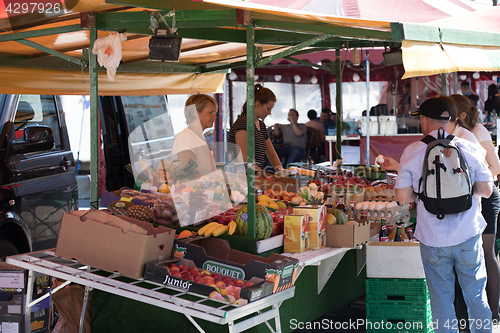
(317, 224)
(297, 234)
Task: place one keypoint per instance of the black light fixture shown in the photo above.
(164, 46)
(394, 57)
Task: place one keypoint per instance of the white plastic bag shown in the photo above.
(109, 52)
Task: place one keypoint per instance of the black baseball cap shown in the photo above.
(435, 108)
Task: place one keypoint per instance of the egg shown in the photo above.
(372, 205)
(380, 159)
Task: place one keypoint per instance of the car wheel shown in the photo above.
(7, 249)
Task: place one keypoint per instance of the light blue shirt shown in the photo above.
(454, 228)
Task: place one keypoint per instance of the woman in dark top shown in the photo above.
(264, 103)
(493, 101)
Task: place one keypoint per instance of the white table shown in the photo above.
(47, 262)
(333, 138)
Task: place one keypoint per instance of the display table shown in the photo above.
(194, 306)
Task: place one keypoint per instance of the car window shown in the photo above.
(37, 110)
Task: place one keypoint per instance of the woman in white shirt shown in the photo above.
(467, 116)
(190, 144)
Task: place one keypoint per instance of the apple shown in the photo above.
(194, 269)
(220, 284)
(204, 272)
(239, 283)
(188, 278)
(174, 267)
(183, 268)
(208, 278)
(176, 274)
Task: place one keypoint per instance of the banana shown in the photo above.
(209, 231)
(202, 230)
(232, 227)
(220, 230)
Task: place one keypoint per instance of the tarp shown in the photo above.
(424, 59)
(52, 82)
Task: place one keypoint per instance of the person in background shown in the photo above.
(313, 123)
(454, 242)
(325, 119)
(407, 89)
(467, 116)
(492, 104)
(264, 103)
(468, 92)
(190, 144)
(294, 136)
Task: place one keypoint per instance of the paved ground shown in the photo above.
(343, 319)
(347, 314)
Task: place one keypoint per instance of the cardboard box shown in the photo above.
(374, 228)
(107, 247)
(109, 197)
(296, 234)
(279, 184)
(400, 260)
(13, 287)
(15, 323)
(317, 224)
(215, 255)
(157, 271)
(347, 235)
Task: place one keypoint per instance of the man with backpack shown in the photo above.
(449, 234)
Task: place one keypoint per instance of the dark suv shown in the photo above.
(37, 173)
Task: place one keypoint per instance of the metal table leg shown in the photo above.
(84, 309)
(27, 308)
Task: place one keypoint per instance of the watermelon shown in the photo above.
(263, 222)
(340, 216)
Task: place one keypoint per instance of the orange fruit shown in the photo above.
(185, 234)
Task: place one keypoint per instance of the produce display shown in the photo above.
(226, 288)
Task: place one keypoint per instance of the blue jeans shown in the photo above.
(290, 154)
(468, 260)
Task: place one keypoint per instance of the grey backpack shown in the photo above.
(447, 187)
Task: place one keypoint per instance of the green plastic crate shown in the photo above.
(399, 310)
(400, 290)
(416, 319)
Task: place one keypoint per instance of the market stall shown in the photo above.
(251, 35)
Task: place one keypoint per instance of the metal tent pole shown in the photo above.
(367, 161)
(250, 128)
(94, 118)
(338, 103)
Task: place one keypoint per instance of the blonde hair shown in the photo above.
(200, 102)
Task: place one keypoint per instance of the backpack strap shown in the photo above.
(428, 139)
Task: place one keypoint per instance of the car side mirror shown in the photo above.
(36, 138)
